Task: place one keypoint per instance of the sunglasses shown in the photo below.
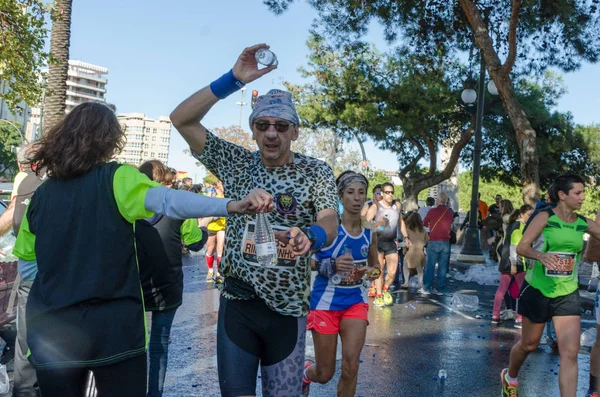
(388, 192)
(280, 126)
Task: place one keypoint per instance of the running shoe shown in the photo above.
(378, 301)
(305, 380)
(509, 389)
(591, 393)
(519, 324)
(388, 299)
(219, 278)
(423, 291)
(372, 292)
(495, 320)
(436, 292)
(210, 276)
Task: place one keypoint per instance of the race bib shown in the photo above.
(566, 262)
(285, 255)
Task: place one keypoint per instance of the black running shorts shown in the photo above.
(387, 246)
(540, 309)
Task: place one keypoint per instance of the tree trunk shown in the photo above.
(56, 95)
(411, 195)
(412, 186)
(525, 134)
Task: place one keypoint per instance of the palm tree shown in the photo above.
(56, 94)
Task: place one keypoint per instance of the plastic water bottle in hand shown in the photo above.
(266, 57)
(264, 241)
(337, 278)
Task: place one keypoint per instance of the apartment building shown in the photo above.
(147, 139)
(86, 82)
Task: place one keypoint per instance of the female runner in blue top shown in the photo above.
(338, 305)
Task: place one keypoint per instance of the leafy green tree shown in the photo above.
(325, 145)
(22, 53)
(591, 136)
(406, 107)
(562, 147)
(378, 178)
(513, 37)
(9, 141)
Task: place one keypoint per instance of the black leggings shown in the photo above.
(250, 333)
(123, 379)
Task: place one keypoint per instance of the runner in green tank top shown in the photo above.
(565, 240)
(553, 243)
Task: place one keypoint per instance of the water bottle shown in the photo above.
(442, 375)
(264, 241)
(337, 278)
(266, 57)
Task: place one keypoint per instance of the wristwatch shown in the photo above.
(310, 234)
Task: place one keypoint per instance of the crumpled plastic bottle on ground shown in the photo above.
(413, 282)
(482, 275)
(588, 337)
(464, 302)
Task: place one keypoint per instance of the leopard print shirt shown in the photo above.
(301, 189)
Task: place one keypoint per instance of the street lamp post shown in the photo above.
(471, 250)
(241, 104)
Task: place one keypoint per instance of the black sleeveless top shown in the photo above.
(85, 307)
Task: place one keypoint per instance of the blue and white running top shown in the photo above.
(350, 291)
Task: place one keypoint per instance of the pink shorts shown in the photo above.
(328, 321)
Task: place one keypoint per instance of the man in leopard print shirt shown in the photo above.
(262, 315)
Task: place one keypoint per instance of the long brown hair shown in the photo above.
(518, 212)
(414, 222)
(157, 171)
(87, 137)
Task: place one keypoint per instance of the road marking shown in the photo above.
(451, 309)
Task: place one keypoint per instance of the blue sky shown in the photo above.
(158, 53)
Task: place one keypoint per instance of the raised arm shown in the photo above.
(187, 116)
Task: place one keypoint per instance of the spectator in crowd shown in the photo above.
(439, 221)
(429, 203)
(414, 256)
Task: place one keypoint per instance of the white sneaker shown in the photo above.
(423, 291)
(436, 292)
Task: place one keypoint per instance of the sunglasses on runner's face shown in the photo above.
(388, 192)
(280, 126)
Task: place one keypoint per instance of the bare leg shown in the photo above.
(324, 367)
(406, 272)
(568, 329)
(391, 261)
(379, 281)
(420, 274)
(530, 339)
(353, 332)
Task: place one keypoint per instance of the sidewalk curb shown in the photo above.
(588, 299)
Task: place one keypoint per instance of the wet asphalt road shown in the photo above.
(412, 341)
(408, 344)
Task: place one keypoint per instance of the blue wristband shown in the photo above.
(320, 237)
(226, 85)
